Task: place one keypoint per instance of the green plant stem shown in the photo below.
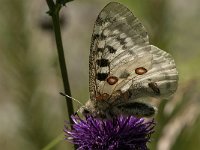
(62, 64)
(54, 9)
(54, 12)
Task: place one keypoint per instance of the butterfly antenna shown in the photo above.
(63, 94)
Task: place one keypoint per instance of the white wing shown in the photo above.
(116, 31)
(121, 58)
(159, 81)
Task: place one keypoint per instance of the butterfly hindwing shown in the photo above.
(159, 81)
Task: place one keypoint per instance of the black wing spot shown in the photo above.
(100, 50)
(102, 76)
(154, 87)
(96, 36)
(103, 62)
(99, 21)
(121, 40)
(99, 36)
(111, 49)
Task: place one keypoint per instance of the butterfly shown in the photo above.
(124, 68)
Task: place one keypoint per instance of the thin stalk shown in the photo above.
(54, 9)
(54, 12)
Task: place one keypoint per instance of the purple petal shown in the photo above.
(119, 133)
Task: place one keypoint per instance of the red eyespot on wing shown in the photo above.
(103, 96)
(140, 70)
(112, 80)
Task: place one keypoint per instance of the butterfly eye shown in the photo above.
(140, 70)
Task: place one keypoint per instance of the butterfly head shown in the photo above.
(96, 109)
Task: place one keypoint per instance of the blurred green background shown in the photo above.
(32, 113)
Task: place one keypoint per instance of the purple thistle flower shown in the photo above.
(129, 133)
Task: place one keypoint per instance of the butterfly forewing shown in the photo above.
(119, 46)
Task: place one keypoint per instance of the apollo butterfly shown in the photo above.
(124, 68)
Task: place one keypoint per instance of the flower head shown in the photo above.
(119, 133)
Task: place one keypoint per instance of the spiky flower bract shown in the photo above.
(129, 133)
